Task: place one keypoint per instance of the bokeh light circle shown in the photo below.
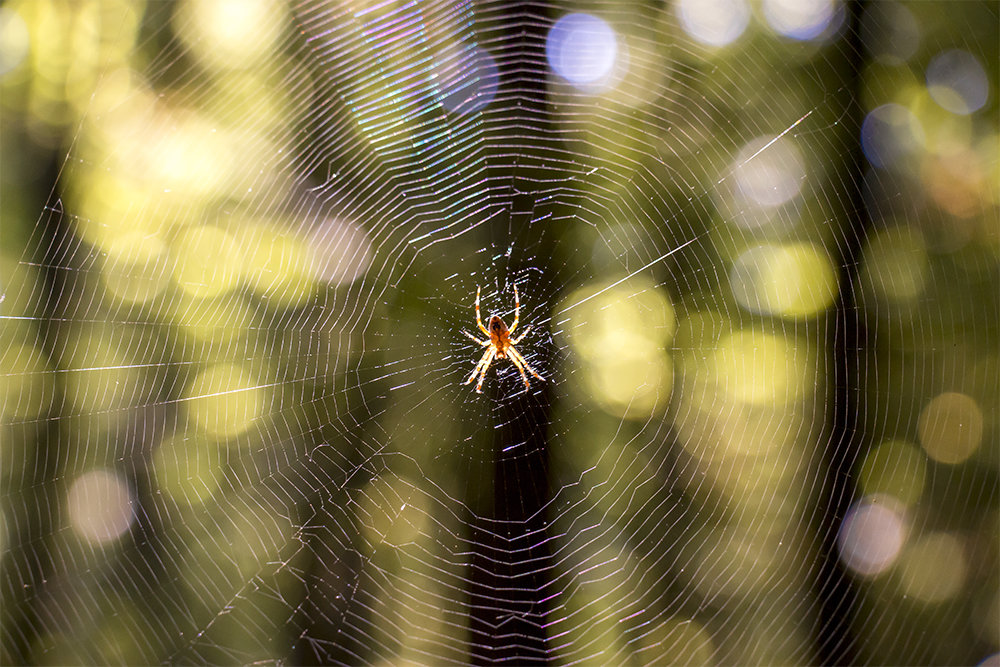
(15, 40)
(951, 427)
(714, 22)
(871, 536)
(889, 133)
(799, 19)
(100, 506)
(582, 49)
(470, 80)
(769, 172)
(934, 568)
(957, 81)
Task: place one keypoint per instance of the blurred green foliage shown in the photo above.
(228, 416)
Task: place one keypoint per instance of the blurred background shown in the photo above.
(758, 246)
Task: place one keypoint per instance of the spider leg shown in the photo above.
(520, 368)
(514, 354)
(488, 359)
(479, 319)
(482, 360)
(515, 341)
(517, 310)
(484, 343)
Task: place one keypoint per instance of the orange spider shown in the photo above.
(500, 345)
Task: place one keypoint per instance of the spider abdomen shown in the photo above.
(497, 327)
(500, 345)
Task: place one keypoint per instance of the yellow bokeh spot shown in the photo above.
(759, 369)
(135, 268)
(933, 569)
(15, 40)
(114, 209)
(188, 469)
(795, 280)
(218, 320)
(207, 261)
(894, 468)
(193, 159)
(895, 265)
(394, 514)
(224, 400)
(99, 377)
(161, 167)
(950, 427)
(230, 33)
(943, 130)
(114, 93)
(620, 335)
(881, 76)
(633, 381)
(279, 265)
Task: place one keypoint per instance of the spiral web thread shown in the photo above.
(234, 416)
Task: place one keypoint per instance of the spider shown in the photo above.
(500, 345)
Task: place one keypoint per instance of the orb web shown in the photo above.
(756, 250)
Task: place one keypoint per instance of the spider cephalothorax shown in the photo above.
(500, 344)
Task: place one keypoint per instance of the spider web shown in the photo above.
(756, 246)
